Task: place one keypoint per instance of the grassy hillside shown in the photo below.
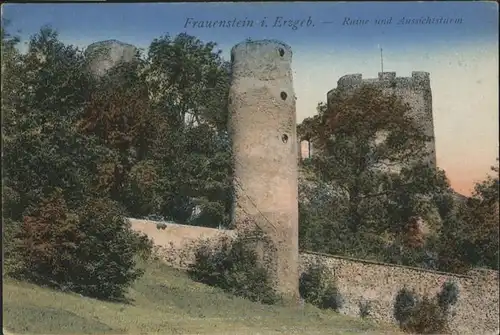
(165, 301)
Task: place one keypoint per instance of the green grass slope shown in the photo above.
(165, 301)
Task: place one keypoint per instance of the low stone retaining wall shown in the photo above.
(476, 311)
(174, 243)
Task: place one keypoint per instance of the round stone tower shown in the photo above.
(262, 125)
(104, 55)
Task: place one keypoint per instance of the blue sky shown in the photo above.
(140, 23)
(461, 58)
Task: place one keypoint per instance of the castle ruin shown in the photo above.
(262, 125)
(414, 90)
(104, 55)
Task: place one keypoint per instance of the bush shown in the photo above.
(316, 289)
(448, 295)
(310, 283)
(12, 263)
(142, 245)
(422, 315)
(427, 318)
(48, 240)
(141, 195)
(364, 308)
(91, 251)
(11, 203)
(161, 225)
(234, 266)
(404, 304)
(331, 298)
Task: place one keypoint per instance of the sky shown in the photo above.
(331, 40)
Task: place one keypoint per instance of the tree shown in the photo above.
(10, 84)
(363, 133)
(118, 114)
(320, 215)
(62, 231)
(487, 191)
(42, 147)
(78, 149)
(188, 84)
(189, 81)
(48, 238)
(307, 130)
(196, 171)
(470, 232)
(11, 80)
(164, 117)
(371, 153)
(412, 196)
(90, 250)
(482, 218)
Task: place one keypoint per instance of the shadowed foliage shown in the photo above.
(235, 266)
(90, 251)
(316, 288)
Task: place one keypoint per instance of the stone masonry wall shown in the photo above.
(174, 243)
(475, 313)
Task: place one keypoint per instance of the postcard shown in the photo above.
(250, 168)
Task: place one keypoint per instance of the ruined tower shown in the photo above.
(104, 55)
(262, 124)
(414, 90)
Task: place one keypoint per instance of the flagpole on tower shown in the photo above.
(381, 60)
